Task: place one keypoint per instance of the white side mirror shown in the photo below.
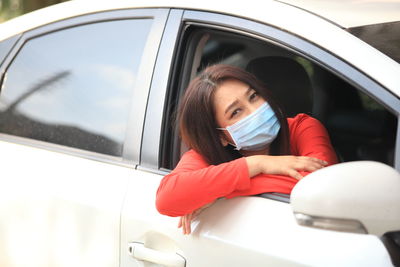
(362, 196)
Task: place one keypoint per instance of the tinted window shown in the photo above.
(384, 37)
(73, 87)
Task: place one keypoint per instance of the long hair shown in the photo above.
(196, 114)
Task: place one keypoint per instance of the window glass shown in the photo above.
(73, 87)
(385, 37)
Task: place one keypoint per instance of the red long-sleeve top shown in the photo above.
(194, 183)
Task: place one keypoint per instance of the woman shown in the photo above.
(241, 144)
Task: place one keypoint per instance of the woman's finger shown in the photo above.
(311, 168)
(180, 222)
(184, 224)
(308, 165)
(195, 214)
(295, 174)
(320, 161)
(314, 166)
(188, 220)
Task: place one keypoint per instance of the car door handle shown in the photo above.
(140, 252)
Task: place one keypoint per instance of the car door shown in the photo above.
(244, 231)
(73, 100)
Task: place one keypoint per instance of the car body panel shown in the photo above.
(244, 231)
(59, 211)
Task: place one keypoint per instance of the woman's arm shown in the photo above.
(194, 183)
(311, 149)
(283, 165)
(308, 137)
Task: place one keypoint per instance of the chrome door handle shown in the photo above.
(140, 252)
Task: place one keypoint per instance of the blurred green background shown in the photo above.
(12, 8)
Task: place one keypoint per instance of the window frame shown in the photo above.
(152, 147)
(132, 142)
(7, 45)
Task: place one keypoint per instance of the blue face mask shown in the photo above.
(256, 131)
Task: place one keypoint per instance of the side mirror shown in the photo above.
(360, 196)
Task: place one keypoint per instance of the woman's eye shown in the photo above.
(235, 112)
(253, 96)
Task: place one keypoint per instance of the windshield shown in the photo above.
(384, 37)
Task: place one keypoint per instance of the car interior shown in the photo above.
(360, 127)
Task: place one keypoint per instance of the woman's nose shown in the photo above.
(251, 108)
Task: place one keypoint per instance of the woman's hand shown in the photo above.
(185, 223)
(283, 165)
(186, 220)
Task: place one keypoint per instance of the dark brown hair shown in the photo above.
(196, 114)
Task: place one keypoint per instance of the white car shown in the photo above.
(88, 96)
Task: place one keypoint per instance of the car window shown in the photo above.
(360, 127)
(383, 37)
(73, 87)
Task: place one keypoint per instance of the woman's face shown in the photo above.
(233, 101)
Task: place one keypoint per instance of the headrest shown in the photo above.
(287, 80)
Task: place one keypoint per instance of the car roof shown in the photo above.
(352, 13)
(349, 13)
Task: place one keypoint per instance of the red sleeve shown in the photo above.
(194, 183)
(308, 137)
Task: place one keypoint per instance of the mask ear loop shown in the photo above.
(235, 146)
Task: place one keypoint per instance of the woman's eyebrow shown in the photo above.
(248, 91)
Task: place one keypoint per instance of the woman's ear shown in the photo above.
(223, 140)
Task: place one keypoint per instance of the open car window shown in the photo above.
(360, 127)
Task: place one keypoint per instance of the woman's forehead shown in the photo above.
(231, 88)
(228, 92)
